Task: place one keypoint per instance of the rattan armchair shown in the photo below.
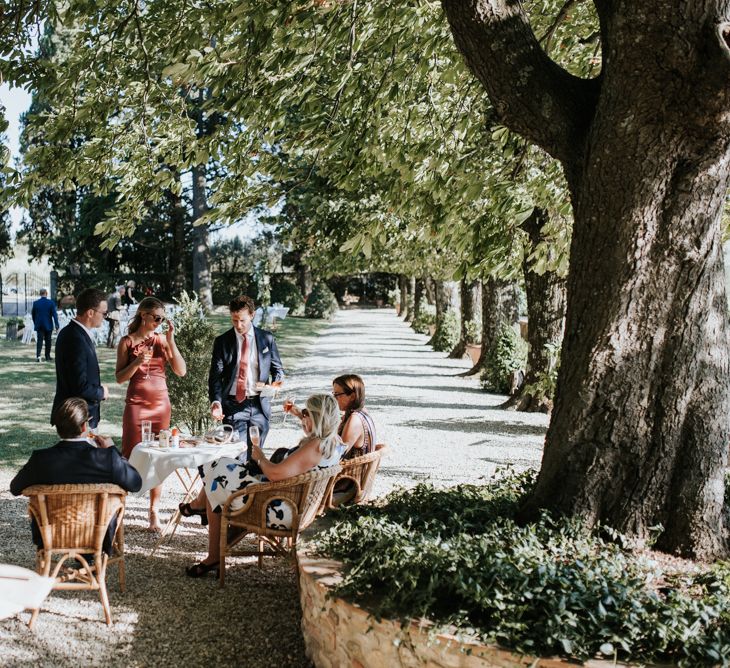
(73, 520)
(360, 473)
(303, 494)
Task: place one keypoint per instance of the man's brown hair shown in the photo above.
(242, 302)
(70, 417)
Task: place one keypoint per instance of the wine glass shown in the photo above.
(253, 433)
(287, 406)
(148, 353)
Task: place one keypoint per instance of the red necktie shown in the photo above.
(242, 372)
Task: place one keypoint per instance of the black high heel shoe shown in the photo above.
(186, 510)
(201, 569)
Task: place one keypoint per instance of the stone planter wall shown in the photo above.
(339, 634)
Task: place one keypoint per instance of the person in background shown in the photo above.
(142, 356)
(44, 316)
(77, 367)
(320, 447)
(76, 459)
(114, 315)
(130, 296)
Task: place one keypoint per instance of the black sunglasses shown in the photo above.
(158, 318)
(305, 412)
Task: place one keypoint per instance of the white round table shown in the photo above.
(155, 464)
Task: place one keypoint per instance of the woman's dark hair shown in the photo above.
(89, 299)
(242, 302)
(147, 305)
(70, 417)
(354, 388)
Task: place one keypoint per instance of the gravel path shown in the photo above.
(440, 428)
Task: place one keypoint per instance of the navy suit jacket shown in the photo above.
(77, 371)
(76, 462)
(44, 314)
(224, 370)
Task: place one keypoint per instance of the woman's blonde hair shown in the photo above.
(325, 415)
(147, 305)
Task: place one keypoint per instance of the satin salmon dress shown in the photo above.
(147, 398)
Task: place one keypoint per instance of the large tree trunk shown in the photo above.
(443, 296)
(499, 309)
(545, 323)
(305, 279)
(639, 434)
(410, 306)
(202, 279)
(403, 289)
(470, 296)
(418, 298)
(177, 261)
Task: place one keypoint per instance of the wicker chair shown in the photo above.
(73, 520)
(302, 493)
(360, 472)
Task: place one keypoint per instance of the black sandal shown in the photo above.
(186, 510)
(201, 569)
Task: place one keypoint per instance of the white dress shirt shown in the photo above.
(253, 364)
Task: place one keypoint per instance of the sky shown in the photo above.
(15, 101)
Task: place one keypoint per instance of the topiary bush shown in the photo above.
(425, 319)
(457, 557)
(321, 303)
(194, 335)
(508, 354)
(447, 332)
(287, 293)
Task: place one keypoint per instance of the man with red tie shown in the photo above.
(244, 359)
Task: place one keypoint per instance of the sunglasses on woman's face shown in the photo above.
(305, 412)
(158, 318)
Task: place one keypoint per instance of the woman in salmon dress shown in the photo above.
(142, 356)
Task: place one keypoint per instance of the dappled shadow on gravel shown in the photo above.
(164, 618)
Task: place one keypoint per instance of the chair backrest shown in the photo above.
(74, 517)
(302, 493)
(361, 472)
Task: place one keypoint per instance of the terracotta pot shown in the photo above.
(474, 351)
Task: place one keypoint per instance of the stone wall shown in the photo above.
(339, 634)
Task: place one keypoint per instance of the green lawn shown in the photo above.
(27, 388)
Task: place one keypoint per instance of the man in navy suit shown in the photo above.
(44, 316)
(76, 460)
(244, 359)
(77, 367)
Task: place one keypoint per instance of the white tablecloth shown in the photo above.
(21, 589)
(155, 464)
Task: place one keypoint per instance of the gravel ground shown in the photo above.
(440, 428)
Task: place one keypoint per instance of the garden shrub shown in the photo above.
(287, 293)
(473, 332)
(321, 303)
(457, 557)
(425, 319)
(508, 354)
(194, 335)
(447, 332)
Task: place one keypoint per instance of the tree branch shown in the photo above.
(531, 94)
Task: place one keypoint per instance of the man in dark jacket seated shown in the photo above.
(76, 460)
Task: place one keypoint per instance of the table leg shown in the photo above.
(190, 489)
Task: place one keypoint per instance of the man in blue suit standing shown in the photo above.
(77, 367)
(244, 359)
(44, 316)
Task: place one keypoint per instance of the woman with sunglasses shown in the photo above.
(357, 429)
(320, 447)
(141, 359)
